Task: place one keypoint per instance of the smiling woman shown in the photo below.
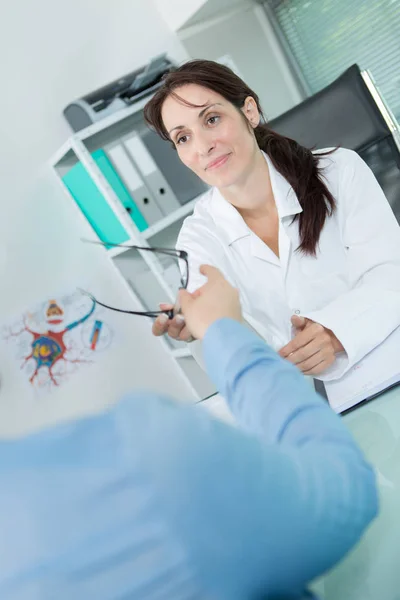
(307, 237)
(215, 120)
(218, 119)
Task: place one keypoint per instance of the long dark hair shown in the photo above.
(298, 165)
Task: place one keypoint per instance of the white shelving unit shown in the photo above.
(78, 149)
(177, 215)
(158, 227)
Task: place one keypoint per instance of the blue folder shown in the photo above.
(93, 204)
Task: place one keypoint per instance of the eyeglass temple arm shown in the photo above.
(153, 314)
(169, 251)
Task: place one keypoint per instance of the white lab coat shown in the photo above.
(352, 286)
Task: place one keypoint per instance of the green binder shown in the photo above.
(93, 204)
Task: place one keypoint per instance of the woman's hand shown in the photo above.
(313, 349)
(175, 328)
(216, 299)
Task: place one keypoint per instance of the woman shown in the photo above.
(307, 237)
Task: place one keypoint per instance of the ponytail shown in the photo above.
(299, 166)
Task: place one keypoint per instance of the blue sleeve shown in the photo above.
(268, 510)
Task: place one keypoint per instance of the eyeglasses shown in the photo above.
(175, 267)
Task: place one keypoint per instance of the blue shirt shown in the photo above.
(154, 500)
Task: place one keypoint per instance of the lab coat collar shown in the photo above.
(230, 222)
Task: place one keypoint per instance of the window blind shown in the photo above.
(327, 36)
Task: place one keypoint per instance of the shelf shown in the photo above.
(114, 252)
(182, 212)
(181, 352)
(145, 276)
(86, 133)
(111, 120)
(64, 155)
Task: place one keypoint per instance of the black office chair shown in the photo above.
(349, 113)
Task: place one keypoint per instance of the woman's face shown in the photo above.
(214, 141)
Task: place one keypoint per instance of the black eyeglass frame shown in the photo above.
(178, 254)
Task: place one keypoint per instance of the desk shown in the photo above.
(372, 570)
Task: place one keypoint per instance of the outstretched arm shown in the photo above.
(275, 507)
(262, 512)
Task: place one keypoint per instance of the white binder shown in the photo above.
(152, 175)
(133, 180)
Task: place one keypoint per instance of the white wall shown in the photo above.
(53, 52)
(247, 36)
(212, 8)
(176, 12)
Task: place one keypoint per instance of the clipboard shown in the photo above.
(376, 373)
(372, 397)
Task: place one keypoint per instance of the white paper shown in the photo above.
(55, 339)
(377, 371)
